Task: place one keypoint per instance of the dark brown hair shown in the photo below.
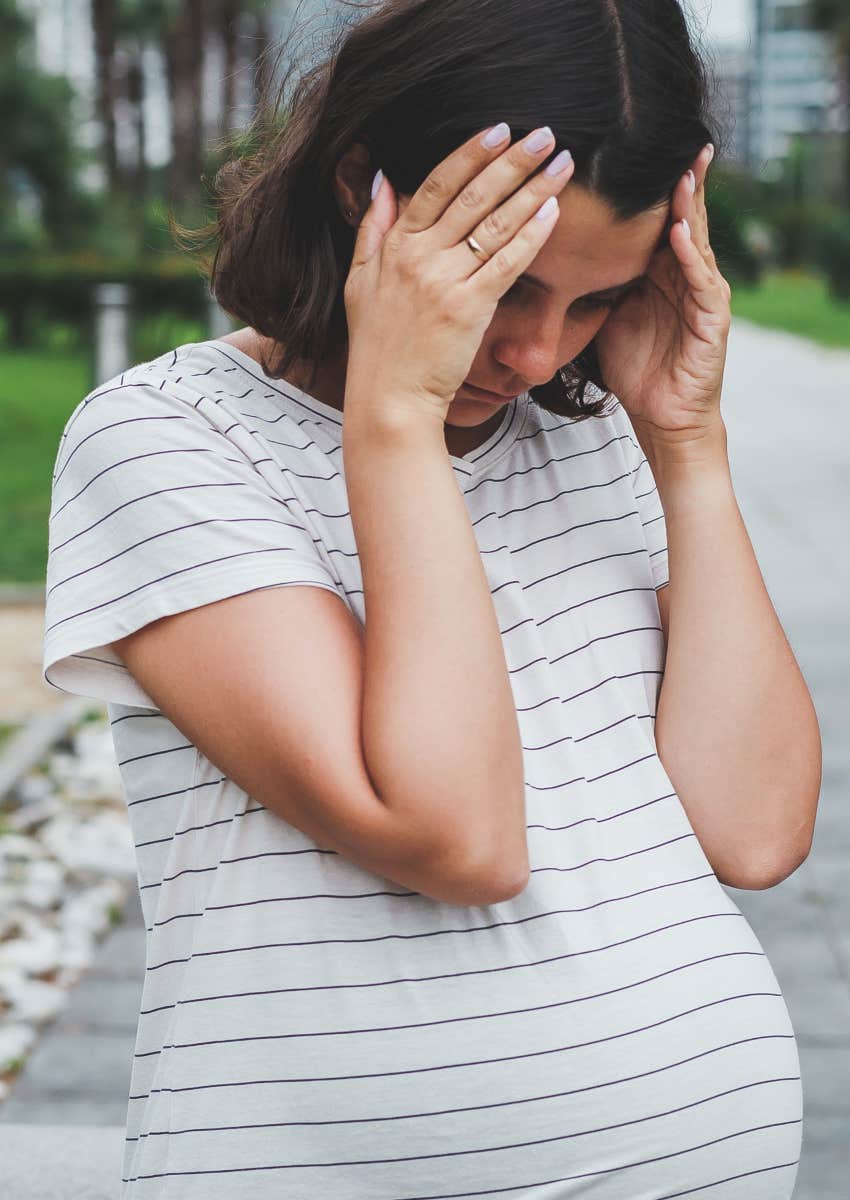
(619, 82)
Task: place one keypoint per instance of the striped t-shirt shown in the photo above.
(311, 1030)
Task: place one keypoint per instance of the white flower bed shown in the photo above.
(67, 861)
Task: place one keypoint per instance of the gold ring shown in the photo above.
(477, 249)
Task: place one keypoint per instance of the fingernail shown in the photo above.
(495, 136)
(686, 227)
(547, 209)
(376, 183)
(537, 140)
(692, 182)
(711, 148)
(559, 164)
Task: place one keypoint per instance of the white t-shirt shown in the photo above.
(309, 1029)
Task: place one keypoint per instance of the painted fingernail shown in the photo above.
(547, 209)
(692, 182)
(495, 136)
(376, 183)
(686, 227)
(538, 140)
(559, 163)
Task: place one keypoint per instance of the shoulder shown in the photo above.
(183, 385)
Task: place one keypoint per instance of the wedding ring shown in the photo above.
(477, 249)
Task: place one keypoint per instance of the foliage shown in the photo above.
(39, 291)
(798, 303)
(36, 190)
(832, 250)
(734, 201)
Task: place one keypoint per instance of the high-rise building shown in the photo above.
(798, 88)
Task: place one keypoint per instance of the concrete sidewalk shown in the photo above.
(787, 409)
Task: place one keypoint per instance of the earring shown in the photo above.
(349, 212)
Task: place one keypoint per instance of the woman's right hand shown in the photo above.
(417, 298)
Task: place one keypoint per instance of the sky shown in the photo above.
(726, 20)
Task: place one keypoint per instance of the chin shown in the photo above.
(468, 412)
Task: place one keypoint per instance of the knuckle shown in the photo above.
(471, 197)
(495, 224)
(435, 186)
(503, 263)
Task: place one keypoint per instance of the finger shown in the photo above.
(478, 209)
(508, 263)
(379, 219)
(703, 283)
(439, 189)
(501, 225)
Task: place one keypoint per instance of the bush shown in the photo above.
(831, 238)
(734, 203)
(35, 292)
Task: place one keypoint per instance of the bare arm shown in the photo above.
(440, 735)
(736, 727)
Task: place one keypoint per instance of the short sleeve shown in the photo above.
(647, 498)
(157, 508)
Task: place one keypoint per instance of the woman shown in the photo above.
(434, 898)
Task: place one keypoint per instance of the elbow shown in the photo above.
(493, 884)
(759, 874)
(474, 881)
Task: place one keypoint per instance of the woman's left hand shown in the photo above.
(663, 348)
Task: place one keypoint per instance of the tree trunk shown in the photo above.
(184, 57)
(229, 18)
(103, 16)
(846, 107)
(136, 97)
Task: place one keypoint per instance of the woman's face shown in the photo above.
(538, 329)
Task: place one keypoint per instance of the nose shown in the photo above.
(536, 352)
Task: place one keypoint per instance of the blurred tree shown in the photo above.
(182, 32)
(833, 16)
(104, 17)
(36, 148)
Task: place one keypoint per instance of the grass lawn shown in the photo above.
(38, 392)
(798, 303)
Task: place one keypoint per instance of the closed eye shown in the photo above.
(587, 304)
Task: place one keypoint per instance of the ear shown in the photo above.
(352, 183)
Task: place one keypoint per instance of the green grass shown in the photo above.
(38, 392)
(798, 303)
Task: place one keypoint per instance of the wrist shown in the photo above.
(370, 420)
(682, 461)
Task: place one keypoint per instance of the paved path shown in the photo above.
(787, 408)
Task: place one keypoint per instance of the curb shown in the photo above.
(22, 593)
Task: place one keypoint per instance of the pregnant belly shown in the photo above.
(642, 1052)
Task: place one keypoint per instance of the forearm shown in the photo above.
(440, 735)
(736, 728)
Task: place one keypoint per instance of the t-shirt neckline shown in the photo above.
(496, 445)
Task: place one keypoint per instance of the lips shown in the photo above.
(490, 392)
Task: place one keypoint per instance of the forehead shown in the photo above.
(589, 250)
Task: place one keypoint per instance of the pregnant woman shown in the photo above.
(447, 695)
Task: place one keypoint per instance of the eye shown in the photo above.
(597, 304)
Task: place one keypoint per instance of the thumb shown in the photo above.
(380, 217)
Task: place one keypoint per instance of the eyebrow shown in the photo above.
(612, 291)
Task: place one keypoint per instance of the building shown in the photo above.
(796, 88)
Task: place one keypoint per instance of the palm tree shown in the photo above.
(833, 16)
